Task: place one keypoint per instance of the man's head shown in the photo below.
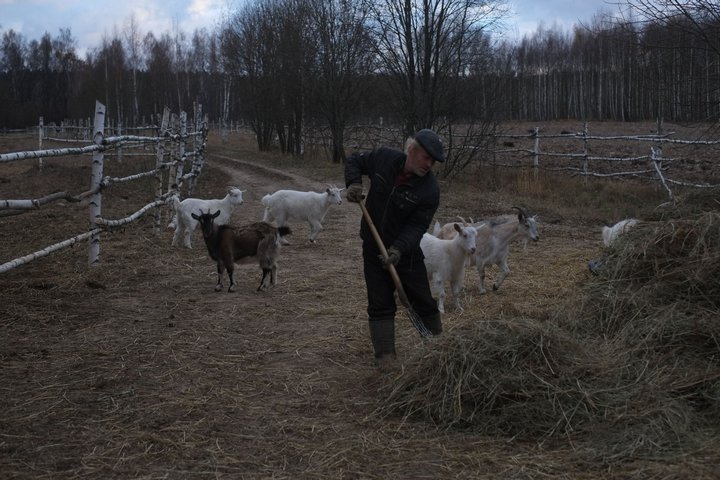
(423, 150)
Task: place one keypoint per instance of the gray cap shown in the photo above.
(431, 143)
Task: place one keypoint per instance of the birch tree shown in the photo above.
(133, 43)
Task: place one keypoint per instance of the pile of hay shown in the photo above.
(633, 372)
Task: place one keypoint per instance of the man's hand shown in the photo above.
(392, 259)
(355, 193)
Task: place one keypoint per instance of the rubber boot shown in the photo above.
(433, 323)
(382, 334)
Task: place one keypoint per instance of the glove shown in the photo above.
(355, 193)
(392, 259)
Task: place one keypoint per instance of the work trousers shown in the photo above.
(381, 288)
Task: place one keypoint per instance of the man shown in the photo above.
(401, 201)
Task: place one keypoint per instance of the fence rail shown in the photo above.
(169, 150)
(568, 152)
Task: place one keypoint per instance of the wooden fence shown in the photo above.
(171, 155)
(579, 153)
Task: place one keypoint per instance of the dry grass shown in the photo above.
(136, 369)
(634, 372)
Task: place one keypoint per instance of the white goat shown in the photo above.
(445, 261)
(447, 231)
(493, 243)
(183, 222)
(610, 234)
(285, 205)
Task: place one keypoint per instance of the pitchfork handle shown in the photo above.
(391, 268)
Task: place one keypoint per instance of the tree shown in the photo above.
(133, 43)
(344, 58)
(160, 81)
(423, 46)
(685, 36)
(249, 47)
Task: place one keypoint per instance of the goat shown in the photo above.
(284, 205)
(229, 245)
(184, 223)
(448, 231)
(493, 244)
(610, 234)
(445, 261)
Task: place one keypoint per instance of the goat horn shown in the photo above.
(522, 211)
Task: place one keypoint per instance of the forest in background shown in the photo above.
(281, 65)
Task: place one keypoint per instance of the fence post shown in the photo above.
(181, 146)
(40, 139)
(656, 159)
(119, 147)
(536, 148)
(159, 157)
(95, 183)
(585, 150)
(198, 160)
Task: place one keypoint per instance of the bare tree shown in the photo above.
(113, 60)
(685, 36)
(159, 83)
(133, 43)
(423, 45)
(344, 59)
(249, 50)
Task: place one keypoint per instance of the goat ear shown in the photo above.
(196, 217)
(214, 215)
(457, 227)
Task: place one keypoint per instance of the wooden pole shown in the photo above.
(159, 158)
(41, 129)
(95, 182)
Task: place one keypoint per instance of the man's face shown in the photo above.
(418, 161)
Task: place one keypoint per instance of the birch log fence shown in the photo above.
(168, 146)
(528, 150)
(654, 166)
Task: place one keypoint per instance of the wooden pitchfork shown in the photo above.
(411, 313)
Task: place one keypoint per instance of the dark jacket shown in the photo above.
(401, 214)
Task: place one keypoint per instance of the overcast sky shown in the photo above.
(91, 20)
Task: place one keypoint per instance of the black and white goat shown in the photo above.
(259, 241)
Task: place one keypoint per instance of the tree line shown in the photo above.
(280, 66)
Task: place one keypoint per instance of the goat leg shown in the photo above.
(504, 271)
(267, 273)
(220, 271)
(481, 272)
(273, 275)
(231, 288)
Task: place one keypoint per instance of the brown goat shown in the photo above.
(228, 245)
